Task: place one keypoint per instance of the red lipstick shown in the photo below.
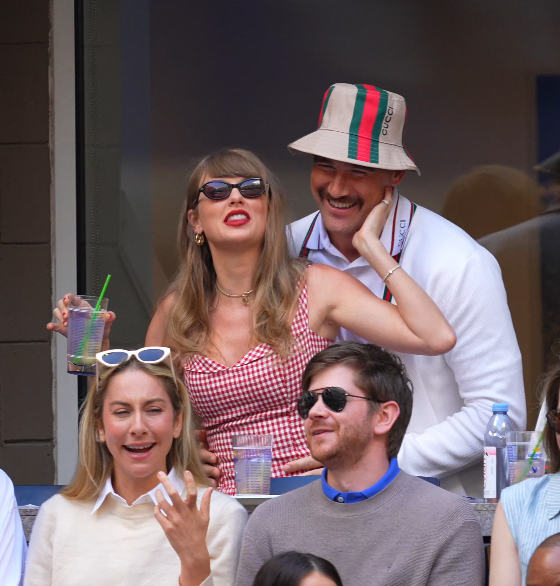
(237, 218)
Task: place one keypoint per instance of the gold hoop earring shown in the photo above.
(199, 239)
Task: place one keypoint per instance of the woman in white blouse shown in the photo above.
(130, 515)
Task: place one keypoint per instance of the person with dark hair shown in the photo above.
(377, 524)
(293, 568)
(529, 511)
(544, 565)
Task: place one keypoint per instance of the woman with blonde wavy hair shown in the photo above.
(130, 514)
(243, 318)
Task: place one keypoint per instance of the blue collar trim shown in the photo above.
(356, 497)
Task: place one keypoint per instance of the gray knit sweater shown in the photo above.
(410, 534)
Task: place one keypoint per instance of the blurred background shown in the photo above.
(160, 83)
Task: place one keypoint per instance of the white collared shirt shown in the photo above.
(13, 547)
(453, 393)
(174, 478)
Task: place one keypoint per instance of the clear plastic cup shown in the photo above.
(85, 333)
(252, 458)
(520, 447)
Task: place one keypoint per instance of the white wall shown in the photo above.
(63, 216)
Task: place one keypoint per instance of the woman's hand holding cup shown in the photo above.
(186, 527)
(60, 313)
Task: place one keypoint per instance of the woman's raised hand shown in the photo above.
(371, 229)
(60, 313)
(186, 527)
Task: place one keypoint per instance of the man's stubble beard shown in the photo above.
(348, 450)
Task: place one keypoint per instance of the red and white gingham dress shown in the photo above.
(258, 395)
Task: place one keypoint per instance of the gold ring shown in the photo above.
(385, 202)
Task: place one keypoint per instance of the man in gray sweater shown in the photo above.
(375, 523)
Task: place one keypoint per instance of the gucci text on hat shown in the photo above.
(360, 124)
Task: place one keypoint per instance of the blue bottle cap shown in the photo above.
(500, 407)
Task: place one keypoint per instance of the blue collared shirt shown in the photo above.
(356, 497)
(532, 510)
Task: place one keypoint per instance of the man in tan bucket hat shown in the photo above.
(359, 159)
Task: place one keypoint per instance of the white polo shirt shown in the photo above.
(453, 393)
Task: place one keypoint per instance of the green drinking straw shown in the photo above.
(85, 340)
(528, 467)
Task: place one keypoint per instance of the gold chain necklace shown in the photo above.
(244, 296)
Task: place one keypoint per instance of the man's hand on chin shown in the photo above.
(308, 466)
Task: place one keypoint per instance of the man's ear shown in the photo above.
(397, 177)
(385, 417)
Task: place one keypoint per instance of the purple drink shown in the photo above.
(85, 334)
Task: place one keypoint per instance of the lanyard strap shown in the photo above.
(387, 295)
(304, 251)
(400, 240)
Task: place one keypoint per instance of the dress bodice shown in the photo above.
(257, 395)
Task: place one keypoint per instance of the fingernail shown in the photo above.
(64, 314)
(64, 323)
(65, 299)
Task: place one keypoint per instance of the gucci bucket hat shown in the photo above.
(360, 124)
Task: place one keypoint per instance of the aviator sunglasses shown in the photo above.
(218, 189)
(553, 419)
(334, 398)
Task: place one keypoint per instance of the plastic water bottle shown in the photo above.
(496, 473)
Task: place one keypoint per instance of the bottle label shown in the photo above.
(490, 476)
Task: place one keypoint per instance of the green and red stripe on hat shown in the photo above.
(360, 124)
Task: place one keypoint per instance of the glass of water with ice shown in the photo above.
(521, 447)
(253, 458)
